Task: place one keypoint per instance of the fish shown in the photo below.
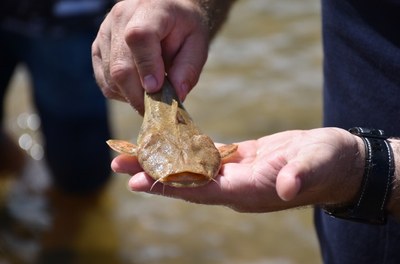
(170, 148)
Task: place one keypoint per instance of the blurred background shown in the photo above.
(263, 76)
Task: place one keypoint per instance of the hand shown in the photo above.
(284, 170)
(141, 40)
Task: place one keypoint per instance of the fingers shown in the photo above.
(113, 65)
(122, 68)
(126, 164)
(143, 35)
(139, 41)
(141, 182)
(211, 193)
(167, 38)
(186, 68)
(101, 60)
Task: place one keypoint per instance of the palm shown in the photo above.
(242, 182)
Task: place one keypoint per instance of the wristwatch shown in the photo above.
(377, 180)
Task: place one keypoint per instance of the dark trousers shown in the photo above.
(72, 109)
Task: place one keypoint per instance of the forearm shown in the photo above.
(216, 13)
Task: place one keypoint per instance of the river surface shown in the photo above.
(263, 76)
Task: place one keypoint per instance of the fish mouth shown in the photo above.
(186, 179)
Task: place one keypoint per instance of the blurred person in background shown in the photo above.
(351, 175)
(52, 40)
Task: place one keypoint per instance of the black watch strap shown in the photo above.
(377, 181)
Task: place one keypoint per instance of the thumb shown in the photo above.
(288, 182)
(294, 178)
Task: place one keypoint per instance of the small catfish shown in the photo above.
(170, 148)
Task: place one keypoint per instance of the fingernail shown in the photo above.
(150, 83)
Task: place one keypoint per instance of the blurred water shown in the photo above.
(263, 75)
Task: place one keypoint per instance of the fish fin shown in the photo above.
(123, 147)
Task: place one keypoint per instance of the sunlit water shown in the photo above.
(263, 76)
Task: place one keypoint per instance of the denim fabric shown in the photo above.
(346, 242)
(361, 88)
(72, 109)
(361, 64)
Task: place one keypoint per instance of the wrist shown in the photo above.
(352, 183)
(376, 186)
(348, 176)
(215, 13)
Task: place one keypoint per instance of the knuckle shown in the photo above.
(108, 92)
(103, 35)
(120, 71)
(136, 35)
(104, 31)
(118, 10)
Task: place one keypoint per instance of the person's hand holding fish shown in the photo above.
(140, 41)
(276, 172)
